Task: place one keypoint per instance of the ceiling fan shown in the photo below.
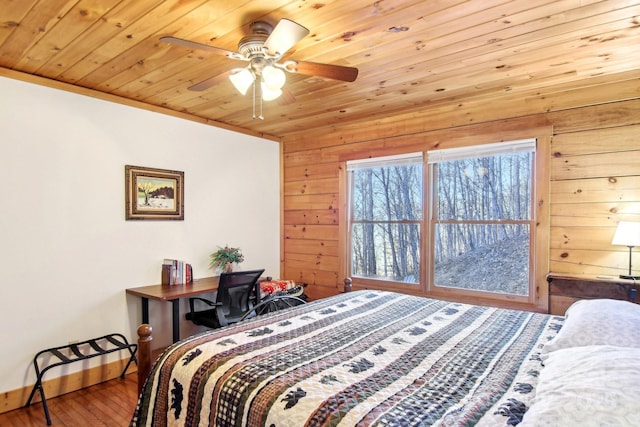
(263, 48)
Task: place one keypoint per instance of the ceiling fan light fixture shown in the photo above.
(242, 80)
(274, 78)
(269, 94)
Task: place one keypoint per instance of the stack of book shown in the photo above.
(176, 272)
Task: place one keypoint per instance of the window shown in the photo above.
(481, 220)
(479, 232)
(386, 217)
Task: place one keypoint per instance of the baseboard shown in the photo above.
(58, 386)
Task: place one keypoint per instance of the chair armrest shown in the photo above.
(192, 301)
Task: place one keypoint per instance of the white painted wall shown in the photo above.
(66, 252)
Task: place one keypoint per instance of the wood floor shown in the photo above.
(110, 403)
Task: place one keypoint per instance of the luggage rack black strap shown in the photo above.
(95, 346)
(59, 355)
(74, 352)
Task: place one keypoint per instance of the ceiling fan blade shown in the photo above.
(286, 98)
(284, 36)
(211, 81)
(335, 72)
(195, 45)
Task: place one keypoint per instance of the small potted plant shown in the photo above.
(224, 258)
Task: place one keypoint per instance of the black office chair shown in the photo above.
(237, 294)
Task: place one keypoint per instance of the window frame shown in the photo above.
(542, 131)
(481, 150)
(382, 283)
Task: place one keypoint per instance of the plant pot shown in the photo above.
(228, 267)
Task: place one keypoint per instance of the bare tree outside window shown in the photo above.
(482, 218)
(480, 224)
(386, 211)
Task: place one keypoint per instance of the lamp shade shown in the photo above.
(273, 77)
(269, 94)
(627, 234)
(242, 80)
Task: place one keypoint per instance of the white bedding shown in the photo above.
(591, 369)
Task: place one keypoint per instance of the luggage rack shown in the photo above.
(70, 353)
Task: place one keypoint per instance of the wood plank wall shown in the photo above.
(595, 183)
(594, 169)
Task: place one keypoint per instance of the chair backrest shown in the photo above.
(237, 294)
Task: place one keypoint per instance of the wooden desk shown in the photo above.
(173, 294)
(565, 289)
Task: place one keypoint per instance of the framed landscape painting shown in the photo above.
(153, 193)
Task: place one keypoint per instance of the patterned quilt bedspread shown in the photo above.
(366, 358)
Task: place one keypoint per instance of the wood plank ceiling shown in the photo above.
(410, 54)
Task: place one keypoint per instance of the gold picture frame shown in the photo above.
(153, 194)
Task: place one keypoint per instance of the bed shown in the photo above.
(375, 358)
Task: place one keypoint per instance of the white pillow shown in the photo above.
(598, 322)
(586, 306)
(587, 386)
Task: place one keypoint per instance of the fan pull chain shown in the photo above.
(254, 100)
(257, 92)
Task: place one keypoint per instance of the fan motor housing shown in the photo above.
(251, 44)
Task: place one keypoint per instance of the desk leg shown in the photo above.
(145, 310)
(176, 319)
